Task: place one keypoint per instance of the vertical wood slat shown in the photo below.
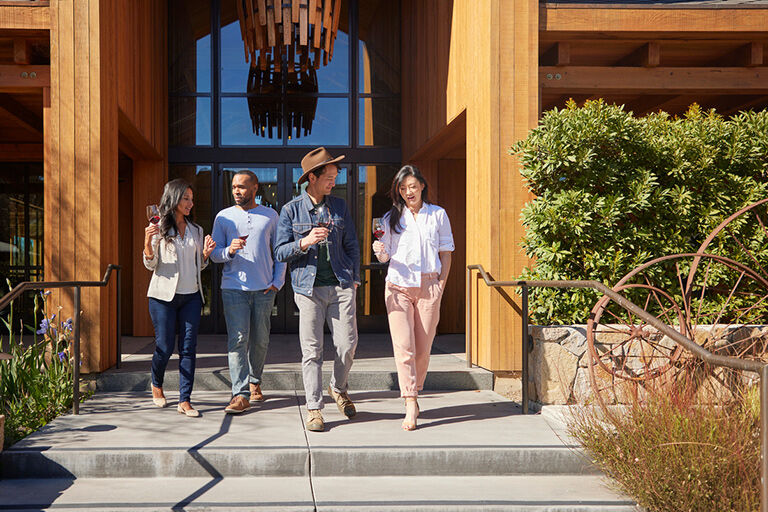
(287, 24)
(317, 28)
(247, 46)
(335, 27)
(262, 12)
(294, 10)
(303, 17)
(327, 12)
(271, 25)
(275, 7)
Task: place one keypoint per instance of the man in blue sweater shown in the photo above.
(245, 237)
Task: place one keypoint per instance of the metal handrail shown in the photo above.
(20, 288)
(697, 350)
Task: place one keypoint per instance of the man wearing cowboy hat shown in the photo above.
(325, 272)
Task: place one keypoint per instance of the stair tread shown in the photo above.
(528, 493)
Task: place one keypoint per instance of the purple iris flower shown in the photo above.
(67, 326)
(62, 356)
(46, 324)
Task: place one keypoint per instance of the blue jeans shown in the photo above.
(180, 315)
(247, 314)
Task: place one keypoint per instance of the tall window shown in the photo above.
(224, 116)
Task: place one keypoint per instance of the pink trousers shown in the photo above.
(413, 314)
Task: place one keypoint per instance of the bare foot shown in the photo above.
(411, 413)
(157, 392)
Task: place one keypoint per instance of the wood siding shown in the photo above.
(98, 47)
(479, 59)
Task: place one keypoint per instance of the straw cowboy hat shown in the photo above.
(314, 160)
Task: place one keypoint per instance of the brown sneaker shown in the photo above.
(345, 405)
(237, 405)
(256, 394)
(315, 421)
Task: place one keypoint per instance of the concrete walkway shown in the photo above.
(473, 450)
(374, 367)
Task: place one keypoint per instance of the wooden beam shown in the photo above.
(132, 142)
(662, 19)
(16, 77)
(558, 55)
(608, 79)
(753, 54)
(746, 104)
(25, 17)
(647, 56)
(749, 54)
(21, 114)
(22, 50)
(21, 152)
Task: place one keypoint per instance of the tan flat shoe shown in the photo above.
(159, 401)
(189, 413)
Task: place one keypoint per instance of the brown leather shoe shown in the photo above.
(256, 394)
(237, 405)
(315, 421)
(345, 405)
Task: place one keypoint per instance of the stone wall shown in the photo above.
(558, 371)
(559, 359)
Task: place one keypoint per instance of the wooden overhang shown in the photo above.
(655, 56)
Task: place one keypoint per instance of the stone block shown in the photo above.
(553, 369)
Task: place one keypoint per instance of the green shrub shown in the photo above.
(614, 191)
(36, 383)
(671, 455)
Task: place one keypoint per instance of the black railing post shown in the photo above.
(76, 360)
(524, 378)
(118, 333)
(468, 323)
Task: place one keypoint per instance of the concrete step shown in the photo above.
(290, 379)
(530, 493)
(121, 435)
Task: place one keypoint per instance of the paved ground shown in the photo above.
(473, 450)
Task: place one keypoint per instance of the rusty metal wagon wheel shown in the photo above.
(714, 300)
(625, 351)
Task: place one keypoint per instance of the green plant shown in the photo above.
(36, 383)
(670, 453)
(614, 191)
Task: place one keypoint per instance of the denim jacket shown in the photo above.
(296, 220)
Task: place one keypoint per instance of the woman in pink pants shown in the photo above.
(417, 242)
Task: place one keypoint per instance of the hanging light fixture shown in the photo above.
(295, 36)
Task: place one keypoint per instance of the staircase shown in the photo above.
(473, 450)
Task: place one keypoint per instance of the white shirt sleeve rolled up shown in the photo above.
(416, 249)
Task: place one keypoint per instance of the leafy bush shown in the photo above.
(670, 454)
(614, 191)
(36, 383)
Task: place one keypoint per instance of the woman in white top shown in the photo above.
(417, 242)
(175, 251)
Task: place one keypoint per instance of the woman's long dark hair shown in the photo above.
(398, 203)
(173, 192)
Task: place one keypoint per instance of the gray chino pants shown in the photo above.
(337, 306)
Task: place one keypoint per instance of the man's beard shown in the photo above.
(243, 200)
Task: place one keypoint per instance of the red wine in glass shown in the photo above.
(243, 237)
(378, 228)
(153, 214)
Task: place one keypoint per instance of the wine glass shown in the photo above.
(153, 214)
(378, 228)
(323, 219)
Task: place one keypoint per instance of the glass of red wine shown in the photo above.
(378, 228)
(243, 237)
(153, 214)
(323, 219)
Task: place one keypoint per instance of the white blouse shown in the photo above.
(186, 248)
(415, 250)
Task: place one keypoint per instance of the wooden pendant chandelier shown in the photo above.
(301, 30)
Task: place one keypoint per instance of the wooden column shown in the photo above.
(503, 110)
(80, 152)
